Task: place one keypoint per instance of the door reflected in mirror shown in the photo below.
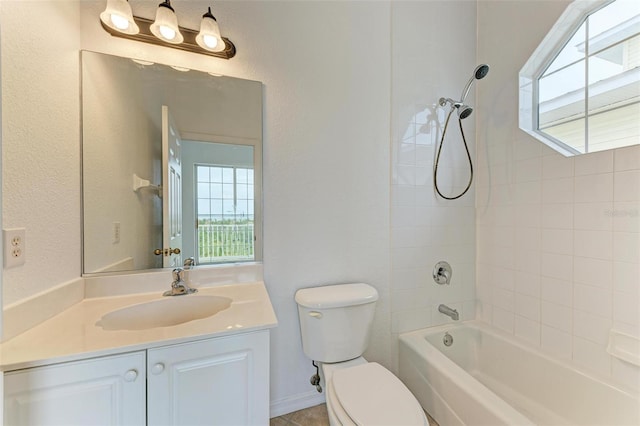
(171, 166)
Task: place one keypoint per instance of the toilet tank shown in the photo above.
(335, 320)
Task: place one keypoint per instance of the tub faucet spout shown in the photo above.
(449, 312)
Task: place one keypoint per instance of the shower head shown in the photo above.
(480, 72)
(464, 111)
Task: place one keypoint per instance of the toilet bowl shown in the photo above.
(335, 324)
(365, 393)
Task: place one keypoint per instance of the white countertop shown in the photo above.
(73, 334)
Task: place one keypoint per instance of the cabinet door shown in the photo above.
(222, 381)
(101, 391)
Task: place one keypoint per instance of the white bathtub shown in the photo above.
(487, 378)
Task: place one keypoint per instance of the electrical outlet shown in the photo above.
(14, 247)
(115, 235)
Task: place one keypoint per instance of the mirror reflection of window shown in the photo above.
(224, 213)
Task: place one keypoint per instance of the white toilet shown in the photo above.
(335, 323)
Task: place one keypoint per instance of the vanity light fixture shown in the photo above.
(118, 20)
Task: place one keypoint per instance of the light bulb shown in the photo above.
(119, 21)
(167, 32)
(210, 41)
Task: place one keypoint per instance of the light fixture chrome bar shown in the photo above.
(189, 44)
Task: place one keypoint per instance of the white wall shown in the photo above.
(558, 238)
(430, 61)
(41, 154)
(326, 69)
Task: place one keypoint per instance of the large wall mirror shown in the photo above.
(171, 166)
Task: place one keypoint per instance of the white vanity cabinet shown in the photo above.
(217, 381)
(100, 391)
(222, 381)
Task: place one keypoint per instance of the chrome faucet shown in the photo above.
(178, 286)
(189, 263)
(449, 312)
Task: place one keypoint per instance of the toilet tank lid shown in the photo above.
(336, 296)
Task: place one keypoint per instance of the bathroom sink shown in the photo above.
(164, 312)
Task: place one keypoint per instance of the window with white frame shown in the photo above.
(580, 90)
(224, 213)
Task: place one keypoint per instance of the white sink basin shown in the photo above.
(164, 312)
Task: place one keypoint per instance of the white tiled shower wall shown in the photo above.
(558, 238)
(428, 63)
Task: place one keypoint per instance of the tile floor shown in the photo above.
(312, 416)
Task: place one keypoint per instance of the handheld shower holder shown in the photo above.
(464, 111)
(444, 101)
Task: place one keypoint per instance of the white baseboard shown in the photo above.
(295, 403)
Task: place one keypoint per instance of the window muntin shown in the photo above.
(586, 98)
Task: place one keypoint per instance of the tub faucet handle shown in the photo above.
(442, 273)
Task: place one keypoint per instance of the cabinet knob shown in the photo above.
(130, 376)
(157, 368)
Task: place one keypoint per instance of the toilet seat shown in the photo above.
(370, 395)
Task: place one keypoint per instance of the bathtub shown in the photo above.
(487, 378)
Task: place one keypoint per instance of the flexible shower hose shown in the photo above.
(435, 167)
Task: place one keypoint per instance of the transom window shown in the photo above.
(224, 212)
(585, 96)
